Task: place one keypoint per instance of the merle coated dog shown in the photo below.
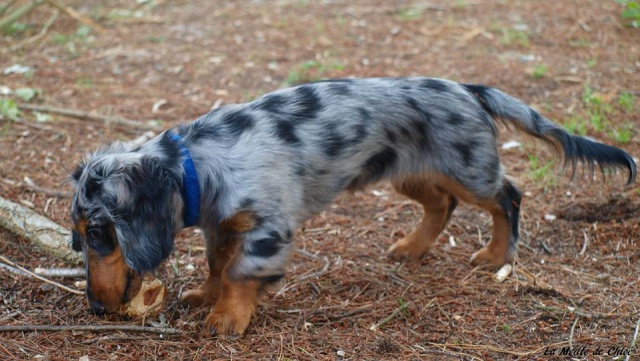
(249, 174)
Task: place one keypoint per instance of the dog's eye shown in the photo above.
(99, 239)
(95, 233)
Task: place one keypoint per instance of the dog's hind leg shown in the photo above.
(438, 206)
(505, 210)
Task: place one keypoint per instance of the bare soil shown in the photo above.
(576, 282)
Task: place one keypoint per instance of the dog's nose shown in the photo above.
(97, 308)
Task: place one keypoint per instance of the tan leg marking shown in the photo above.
(436, 204)
(496, 253)
(218, 257)
(232, 313)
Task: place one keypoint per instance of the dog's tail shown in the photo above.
(575, 149)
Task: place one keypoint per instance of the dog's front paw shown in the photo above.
(228, 320)
(406, 249)
(494, 259)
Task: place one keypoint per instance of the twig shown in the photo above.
(5, 23)
(146, 136)
(393, 314)
(573, 327)
(14, 270)
(634, 340)
(88, 328)
(79, 114)
(319, 273)
(60, 272)
(6, 7)
(39, 35)
(76, 15)
(585, 243)
(59, 285)
(28, 183)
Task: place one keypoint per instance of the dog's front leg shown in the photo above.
(260, 259)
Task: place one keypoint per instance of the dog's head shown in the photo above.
(125, 212)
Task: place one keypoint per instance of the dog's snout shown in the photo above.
(97, 308)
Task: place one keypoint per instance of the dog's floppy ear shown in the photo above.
(144, 212)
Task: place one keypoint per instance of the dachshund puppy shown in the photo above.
(249, 174)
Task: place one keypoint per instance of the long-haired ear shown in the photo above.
(145, 218)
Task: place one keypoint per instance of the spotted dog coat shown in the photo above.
(265, 166)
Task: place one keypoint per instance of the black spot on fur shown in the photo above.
(455, 118)
(199, 130)
(435, 84)
(374, 168)
(247, 203)
(308, 102)
(266, 247)
(237, 122)
(466, 152)
(380, 162)
(271, 103)
(286, 131)
(391, 136)
(340, 88)
(333, 143)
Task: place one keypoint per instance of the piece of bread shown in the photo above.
(148, 301)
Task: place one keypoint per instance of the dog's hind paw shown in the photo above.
(404, 250)
(486, 257)
(195, 298)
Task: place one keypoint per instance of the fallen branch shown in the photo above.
(88, 328)
(39, 35)
(50, 236)
(79, 114)
(24, 10)
(59, 285)
(76, 15)
(14, 270)
(6, 7)
(60, 272)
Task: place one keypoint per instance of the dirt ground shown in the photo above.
(576, 283)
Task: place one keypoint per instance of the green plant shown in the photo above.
(597, 108)
(539, 71)
(310, 70)
(27, 94)
(514, 36)
(84, 82)
(622, 134)
(592, 62)
(626, 101)
(631, 12)
(9, 109)
(506, 328)
(575, 125)
(409, 14)
(538, 170)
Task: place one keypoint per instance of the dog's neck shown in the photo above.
(190, 185)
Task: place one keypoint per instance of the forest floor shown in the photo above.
(577, 280)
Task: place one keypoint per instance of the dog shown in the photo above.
(248, 174)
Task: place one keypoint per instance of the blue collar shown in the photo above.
(190, 186)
